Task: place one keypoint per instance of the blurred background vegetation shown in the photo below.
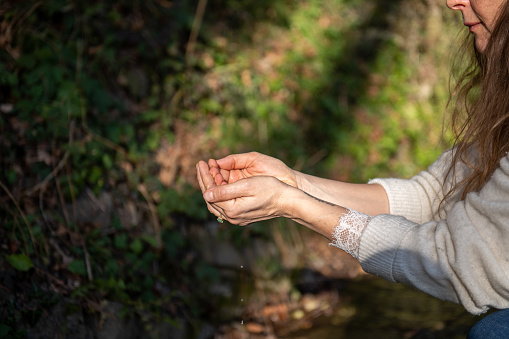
(106, 106)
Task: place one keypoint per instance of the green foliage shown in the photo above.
(187, 201)
(78, 267)
(4, 331)
(106, 98)
(19, 261)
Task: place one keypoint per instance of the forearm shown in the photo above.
(259, 198)
(316, 214)
(365, 198)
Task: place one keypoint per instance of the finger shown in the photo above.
(218, 177)
(215, 211)
(213, 163)
(236, 175)
(208, 181)
(214, 171)
(225, 174)
(212, 208)
(200, 181)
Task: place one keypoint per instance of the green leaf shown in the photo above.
(120, 241)
(107, 161)
(150, 240)
(20, 262)
(78, 267)
(112, 267)
(136, 246)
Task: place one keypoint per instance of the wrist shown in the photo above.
(300, 180)
(285, 205)
(318, 215)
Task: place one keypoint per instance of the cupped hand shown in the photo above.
(249, 200)
(207, 181)
(242, 166)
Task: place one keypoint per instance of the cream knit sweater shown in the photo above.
(460, 255)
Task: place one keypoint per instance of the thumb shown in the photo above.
(236, 161)
(224, 192)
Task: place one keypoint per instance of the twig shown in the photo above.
(152, 208)
(41, 207)
(87, 264)
(61, 197)
(65, 258)
(49, 176)
(52, 277)
(297, 239)
(17, 20)
(280, 243)
(106, 142)
(56, 169)
(22, 216)
(95, 200)
(200, 11)
(71, 189)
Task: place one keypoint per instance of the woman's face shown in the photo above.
(480, 15)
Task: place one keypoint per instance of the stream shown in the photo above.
(375, 308)
(316, 291)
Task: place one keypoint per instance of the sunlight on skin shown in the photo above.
(480, 16)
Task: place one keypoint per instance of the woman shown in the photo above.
(444, 231)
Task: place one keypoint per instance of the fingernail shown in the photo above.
(208, 196)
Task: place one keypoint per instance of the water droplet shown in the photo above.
(241, 299)
(241, 266)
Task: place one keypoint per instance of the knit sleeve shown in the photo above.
(461, 257)
(419, 199)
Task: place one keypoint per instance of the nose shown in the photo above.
(458, 4)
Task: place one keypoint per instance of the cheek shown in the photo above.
(494, 10)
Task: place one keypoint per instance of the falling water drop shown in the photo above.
(242, 279)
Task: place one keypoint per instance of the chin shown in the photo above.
(480, 45)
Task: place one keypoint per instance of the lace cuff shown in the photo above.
(347, 234)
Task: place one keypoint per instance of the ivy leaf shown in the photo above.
(20, 262)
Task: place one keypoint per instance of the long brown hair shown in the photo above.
(480, 111)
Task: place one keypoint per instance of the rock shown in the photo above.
(114, 327)
(171, 331)
(207, 332)
(64, 320)
(91, 210)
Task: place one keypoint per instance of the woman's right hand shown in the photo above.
(241, 166)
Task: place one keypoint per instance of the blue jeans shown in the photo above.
(495, 325)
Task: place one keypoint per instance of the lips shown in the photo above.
(472, 25)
